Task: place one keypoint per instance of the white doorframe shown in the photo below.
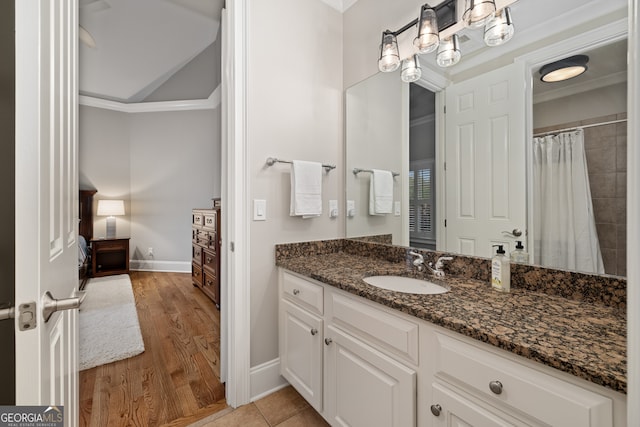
(633, 217)
(235, 194)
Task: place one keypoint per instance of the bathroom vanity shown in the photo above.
(365, 356)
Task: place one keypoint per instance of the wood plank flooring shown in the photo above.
(177, 379)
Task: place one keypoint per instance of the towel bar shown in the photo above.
(356, 171)
(272, 161)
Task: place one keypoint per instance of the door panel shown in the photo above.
(485, 161)
(47, 199)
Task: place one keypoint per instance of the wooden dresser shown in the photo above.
(205, 252)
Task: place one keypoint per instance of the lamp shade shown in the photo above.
(389, 56)
(110, 207)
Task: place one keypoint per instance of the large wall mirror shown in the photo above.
(402, 127)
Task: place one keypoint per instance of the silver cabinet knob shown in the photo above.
(496, 387)
(314, 331)
(328, 341)
(436, 409)
(296, 291)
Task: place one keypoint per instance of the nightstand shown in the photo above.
(109, 257)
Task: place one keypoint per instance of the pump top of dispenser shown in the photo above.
(500, 249)
(519, 244)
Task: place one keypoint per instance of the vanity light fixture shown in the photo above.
(411, 69)
(499, 28)
(430, 23)
(564, 69)
(449, 52)
(389, 55)
(428, 39)
(477, 12)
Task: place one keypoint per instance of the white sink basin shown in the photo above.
(405, 284)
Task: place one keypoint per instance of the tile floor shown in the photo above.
(284, 408)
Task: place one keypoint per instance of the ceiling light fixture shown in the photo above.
(431, 22)
(499, 29)
(477, 12)
(411, 69)
(564, 69)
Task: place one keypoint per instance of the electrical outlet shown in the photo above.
(150, 252)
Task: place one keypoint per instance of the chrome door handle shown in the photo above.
(50, 305)
(7, 313)
(516, 232)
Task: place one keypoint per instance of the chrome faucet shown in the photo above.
(436, 270)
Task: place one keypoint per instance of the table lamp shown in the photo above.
(111, 208)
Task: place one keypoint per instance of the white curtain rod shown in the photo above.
(579, 127)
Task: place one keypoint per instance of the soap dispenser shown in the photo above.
(519, 254)
(500, 271)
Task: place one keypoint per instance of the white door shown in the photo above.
(46, 201)
(365, 388)
(485, 162)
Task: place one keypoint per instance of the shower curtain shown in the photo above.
(564, 225)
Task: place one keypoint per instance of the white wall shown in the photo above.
(294, 111)
(163, 165)
(611, 100)
(374, 128)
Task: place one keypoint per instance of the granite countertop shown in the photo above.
(582, 339)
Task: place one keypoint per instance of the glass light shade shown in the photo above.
(499, 29)
(389, 56)
(427, 40)
(449, 52)
(110, 207)
(411, 70)
(564, 69)
(476, 12)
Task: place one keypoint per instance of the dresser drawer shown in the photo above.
(209, 260)
(209, 239)
(196, 254)
(196, 235)
(303, 292)
(197, 218)
(382, 330)
(550, 400)
(210, 221)
(196, 274)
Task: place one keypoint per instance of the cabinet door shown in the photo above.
(456, 411)
(301, 352)
(365, 388)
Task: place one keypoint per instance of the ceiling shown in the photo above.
(141, 43)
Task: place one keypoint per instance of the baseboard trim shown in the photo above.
(265, 379)
(160, 266)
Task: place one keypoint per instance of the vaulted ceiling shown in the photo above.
(140, 44)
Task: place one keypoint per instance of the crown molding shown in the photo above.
(340, 5)
(210, 103)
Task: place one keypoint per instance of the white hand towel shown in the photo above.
(381, 192)
(306, 189)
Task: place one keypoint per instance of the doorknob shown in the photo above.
(7, 313)
(516, 232)
(50, 305)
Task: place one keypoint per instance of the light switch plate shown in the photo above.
(333, 208)
(259, 210)
(351, 208)
(396, 208)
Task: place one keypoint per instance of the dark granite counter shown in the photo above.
(584, 339)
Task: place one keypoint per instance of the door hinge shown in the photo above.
(445, 166)
(445, 109)
(445, 222)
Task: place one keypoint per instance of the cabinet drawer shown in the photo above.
(196, 274)
(210, 220)
(303, 292)
(197, 219)
(210, 261)
(548, 399)
(379, 328)
(208, 239)
(196, 254)
(196, 235)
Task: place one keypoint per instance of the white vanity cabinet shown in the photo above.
(359, 363)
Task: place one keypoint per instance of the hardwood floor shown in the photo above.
(176, 380)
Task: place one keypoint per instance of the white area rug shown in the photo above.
(109, 328)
